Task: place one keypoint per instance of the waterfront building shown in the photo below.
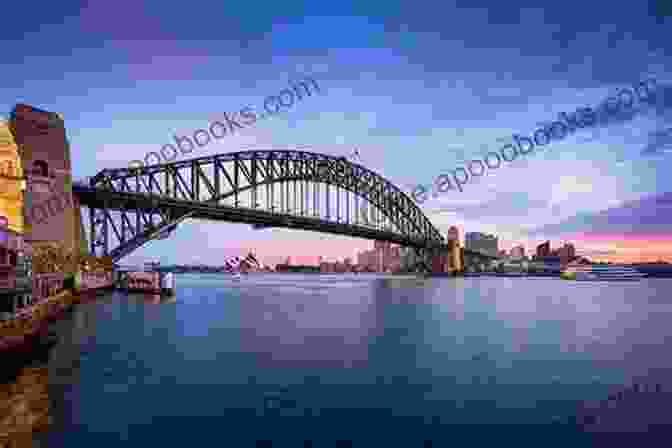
(382, 258)
(440, 262)
(15, 269)
(331, 267)
(544, 249)
(408, 259)
(518, 252)
(15, 273)
(481, 243)
(367, 260)
(567, 252)
(51, 212)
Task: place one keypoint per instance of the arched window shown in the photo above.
(40, 168)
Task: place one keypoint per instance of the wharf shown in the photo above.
(26, 328)
(20, 333)
(152, 282)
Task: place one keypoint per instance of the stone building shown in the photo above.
(15, 272)
(454, 259)
(50, 211)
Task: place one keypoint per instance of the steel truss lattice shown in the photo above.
(279, 188)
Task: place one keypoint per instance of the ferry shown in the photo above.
(601, 272)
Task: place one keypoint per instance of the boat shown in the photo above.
(597, 272)
(236, 275)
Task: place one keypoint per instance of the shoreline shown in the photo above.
(20, 334)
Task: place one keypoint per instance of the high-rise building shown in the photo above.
(381, 245)
(481, 242)
(518, 252)
(382, 258)
(544, 249)
(408, 259)
(566, 252)
(571, 250)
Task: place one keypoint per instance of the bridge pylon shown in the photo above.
(50, 211)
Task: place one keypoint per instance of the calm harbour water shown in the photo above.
(375, 360)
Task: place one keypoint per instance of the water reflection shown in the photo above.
(324, 328)
(458, 351)
(152, 299)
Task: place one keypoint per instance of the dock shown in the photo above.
(145, 281)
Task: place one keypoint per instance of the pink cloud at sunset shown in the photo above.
(630, 248)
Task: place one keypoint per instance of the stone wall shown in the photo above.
(45, 155)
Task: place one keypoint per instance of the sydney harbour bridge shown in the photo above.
(265, 188)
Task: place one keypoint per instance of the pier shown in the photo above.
(134, 280)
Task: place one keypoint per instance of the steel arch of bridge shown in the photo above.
(152, 200)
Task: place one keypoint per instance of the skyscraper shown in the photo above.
(544, 249)
(567, 252)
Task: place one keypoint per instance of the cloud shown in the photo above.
(650, 215)
(504, 204)
(596, 252)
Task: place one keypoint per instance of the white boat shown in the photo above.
(236, 275)
(601, 272)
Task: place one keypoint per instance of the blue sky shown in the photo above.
(418, 87)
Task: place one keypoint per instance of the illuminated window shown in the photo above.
(40, 168)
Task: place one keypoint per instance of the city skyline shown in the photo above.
(383, 91)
